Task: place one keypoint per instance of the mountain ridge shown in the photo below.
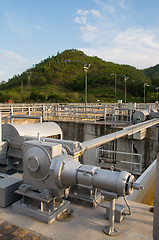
(55, 79)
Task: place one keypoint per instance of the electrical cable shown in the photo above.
(99, 204)
(127, 204)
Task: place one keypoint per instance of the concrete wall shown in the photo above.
(86, 131)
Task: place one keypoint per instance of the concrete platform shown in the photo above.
(87, 223)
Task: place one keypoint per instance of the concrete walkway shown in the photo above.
(84, 223)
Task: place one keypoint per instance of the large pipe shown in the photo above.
(68, 172)
(147, 180)
(82, 147)
(110, 137)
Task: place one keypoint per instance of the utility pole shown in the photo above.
(157, 93)
(22, 88)
(85, 68)
(114, 74)
(29, 81)
(125, 79)
(145, 85)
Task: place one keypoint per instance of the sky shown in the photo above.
(119, 31)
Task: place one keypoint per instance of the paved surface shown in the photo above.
(12, 232)
(84, 223)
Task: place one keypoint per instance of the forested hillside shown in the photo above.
(153, 74)
(57, 80)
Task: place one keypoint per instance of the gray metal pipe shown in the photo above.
(147, 180)
(71, 172)
(110, 137)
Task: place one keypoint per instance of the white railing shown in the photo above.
(107, 113)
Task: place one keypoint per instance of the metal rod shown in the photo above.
(112, 214)
(85, 87)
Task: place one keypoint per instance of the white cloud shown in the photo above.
(82, 12)
(109, 8)
(122, 4)
(9, 55)
(135, 47)
(142, 59)
(11, 64)
(86, 18)
(81, 19)
(88, 28)
(92, 12)
(95, 13)
(111, 37)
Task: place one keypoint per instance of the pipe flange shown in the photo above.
(58, 170)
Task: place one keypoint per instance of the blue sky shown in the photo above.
(121, 31)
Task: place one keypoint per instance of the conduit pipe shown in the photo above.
(113, 136)
(147, 180)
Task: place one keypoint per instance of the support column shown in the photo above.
(111, 230)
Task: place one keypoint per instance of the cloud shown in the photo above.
(81, 19)
(86, 18)
(106, 7)
(82, 12)
(122, 4)
(109, 34)
(133, 46)
(6, 55)
(16, 25)
(93, 12)
(11, 64)
(84, 15)
(88, 28)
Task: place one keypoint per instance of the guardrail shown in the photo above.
(108, 113)
(108, 158)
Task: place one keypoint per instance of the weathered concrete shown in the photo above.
(87, 131)
(87, 223)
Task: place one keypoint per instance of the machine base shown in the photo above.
(84, 196)
(43, 216)
(107, 230)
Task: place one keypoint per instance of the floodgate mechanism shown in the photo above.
(51, 168)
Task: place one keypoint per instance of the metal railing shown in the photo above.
(111, 113)
(131, 162)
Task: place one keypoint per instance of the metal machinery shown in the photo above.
(145, 114)
(51, 167)
(140, 116)
(48, 174)
(13, 136)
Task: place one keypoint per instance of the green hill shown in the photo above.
(153, 74)
(55, 80)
